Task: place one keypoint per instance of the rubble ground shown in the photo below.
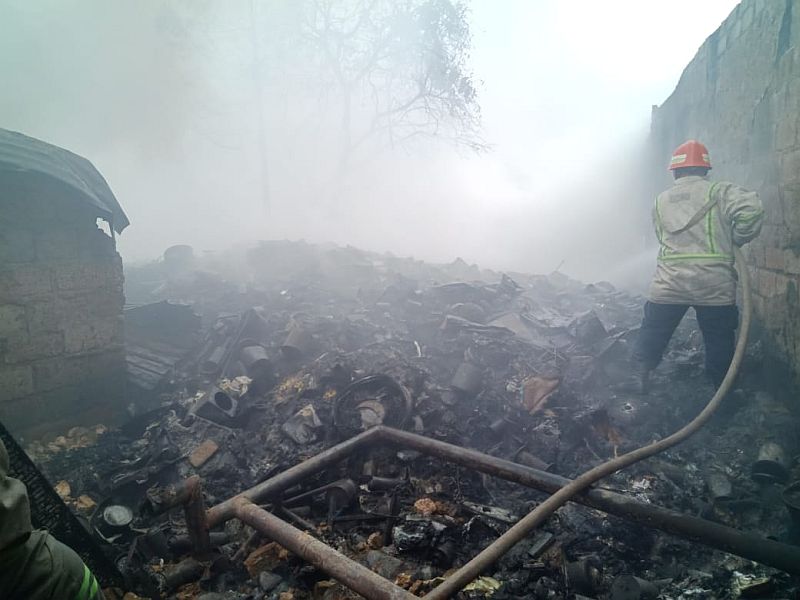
(303, 346)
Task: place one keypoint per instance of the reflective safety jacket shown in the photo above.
(698, 222)
(33, 564)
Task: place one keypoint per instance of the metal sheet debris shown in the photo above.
(385, 414)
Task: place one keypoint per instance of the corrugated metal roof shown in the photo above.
(22, 154)
(157, 337)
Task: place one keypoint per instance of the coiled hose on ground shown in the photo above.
(522, 528)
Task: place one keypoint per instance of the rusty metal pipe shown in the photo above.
(753, 547)
(194, 509)
(296, 519)
(352, 574)
(189, 495)
(164, 499)
(775, 554)
(275, 485)
(245, 548)
(747, 545)
(181, 544)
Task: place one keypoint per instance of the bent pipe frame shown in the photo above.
(352, 574)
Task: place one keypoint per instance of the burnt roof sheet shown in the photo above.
(22, 154)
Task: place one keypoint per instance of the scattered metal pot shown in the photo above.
(340, 495)
(116, 518)
(719, 487)
(212, 365)
(257, 365)
(112, 520)
(298, 344)
(771, 466)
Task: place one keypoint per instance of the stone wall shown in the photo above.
(740, 95)
(61, 337)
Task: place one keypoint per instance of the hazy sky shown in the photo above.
(568, 90)
(573, 77)
(566, 93)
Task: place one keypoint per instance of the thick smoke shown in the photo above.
(220, 123)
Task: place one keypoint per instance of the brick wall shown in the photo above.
(741, 96)
(61, 340)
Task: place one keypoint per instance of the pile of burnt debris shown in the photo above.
(338, 386)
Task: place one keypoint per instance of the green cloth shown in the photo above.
(33, 564)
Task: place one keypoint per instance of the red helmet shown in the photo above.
(690, 154)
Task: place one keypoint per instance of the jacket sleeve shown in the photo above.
(656, 220)
(15, 513)
(743, 210)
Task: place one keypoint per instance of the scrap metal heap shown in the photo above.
(339, 389)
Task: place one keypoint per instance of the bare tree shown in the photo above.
(326, 82)
(400, 68)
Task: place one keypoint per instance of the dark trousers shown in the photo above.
(717, 323)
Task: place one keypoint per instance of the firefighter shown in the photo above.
(698, 222)
(33, 564)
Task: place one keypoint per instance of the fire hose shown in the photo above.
(455, 582)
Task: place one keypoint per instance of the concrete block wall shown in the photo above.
(61, 299)
(741, 96)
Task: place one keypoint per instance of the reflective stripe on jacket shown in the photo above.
(698, 223)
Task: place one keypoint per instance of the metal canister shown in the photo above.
(213, 363)
(771, 466)
(468, 379)
(257, 365)
(115, 519)
(253, 358)
(117, 516)
(719, 487)
(339, 495)
(297, 344)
